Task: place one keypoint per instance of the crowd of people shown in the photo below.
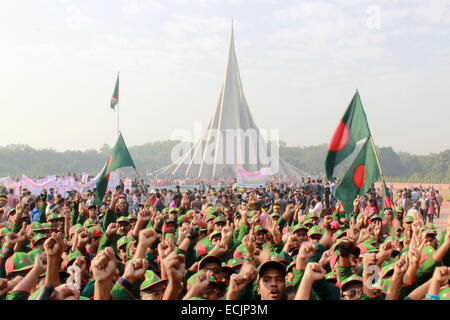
(284, 241)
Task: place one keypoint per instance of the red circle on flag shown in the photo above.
(358, 176)
(340, 137)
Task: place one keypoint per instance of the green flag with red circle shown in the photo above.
(115, 96)
(363, 172)
(120, 157)
(352, 128)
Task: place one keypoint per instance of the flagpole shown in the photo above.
(378, 159)
(139, 180)
(118, 105)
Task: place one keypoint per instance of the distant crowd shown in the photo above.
(286, 241)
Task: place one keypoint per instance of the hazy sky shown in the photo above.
(300, 63)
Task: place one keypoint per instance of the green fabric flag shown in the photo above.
(359, 177)
(352, 128)
(120, 157)
(115, 97)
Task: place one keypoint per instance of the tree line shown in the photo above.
(16, 160)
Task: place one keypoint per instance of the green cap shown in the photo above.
(314, 230)
(376, 217)
(274, 214)
(350, 279)
(398, 209)
(122, 241)
(219, 219)
(299, 226)
(214, 233)
(171, 236)
(211, 210)
(35, 252)
(89, 223)
(210, 216)
(4, 232)
(258, 228)
(444, 294)
(313, 215)
(386, 270)
(54, 216)
(430, 229)
(151, 279)
(173, 210)
(123, 219)
(235, 262)
(131, 217)
(340, 233)
(37, 238)
(72, 256)
(408, 219)
(19, 261)
(307, 221)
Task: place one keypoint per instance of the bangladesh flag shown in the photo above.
(115, 97)
(120, 157)
(386, 199)
(359, 177)
(352, 128)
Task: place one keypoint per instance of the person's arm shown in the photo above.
(440, 277)
(439, 254)
(175, 266)
(53, 247)
(413, 266)
(143, 217)
(327, 237)
(313, 272)
(22, 237)
(369, 260)
(201, 281)
(66, 214)
(146, 238)
(103, 269)
(396, 280)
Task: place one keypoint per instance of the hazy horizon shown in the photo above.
(300, 63)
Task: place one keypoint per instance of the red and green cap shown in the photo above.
(314, 230)
(214, 234)
(184, 218)
(387, 270)
(151, 279)
(170, 220)
(331, 276)
(430, 229)
(54, 216)
(307, 221)
(444, 294)
(290, 266)
(71, 257)
(211, 210)
(235, 263)
(210, 217)
(274, 214)
(89, 223)
(226, 268)
(19, 261)
(354, 278)
(33, 253)
(74, 228)
(38, 237)
(132, 217)
(339, 233)
(169, 235)
(299, 226)
(313, 215)
(191, 279)
(203, 247)
(36, 226)
(277, 257)
(408, 219)
(95, 232)
(209, 259)
(45, 226)
(4, 232)
(366, 247)
(259, 228)
(219, 219)
(122, 242)
(190, 213)
(375, 217)
(123, 219)
(269, 265)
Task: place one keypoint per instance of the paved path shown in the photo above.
(441, 223)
